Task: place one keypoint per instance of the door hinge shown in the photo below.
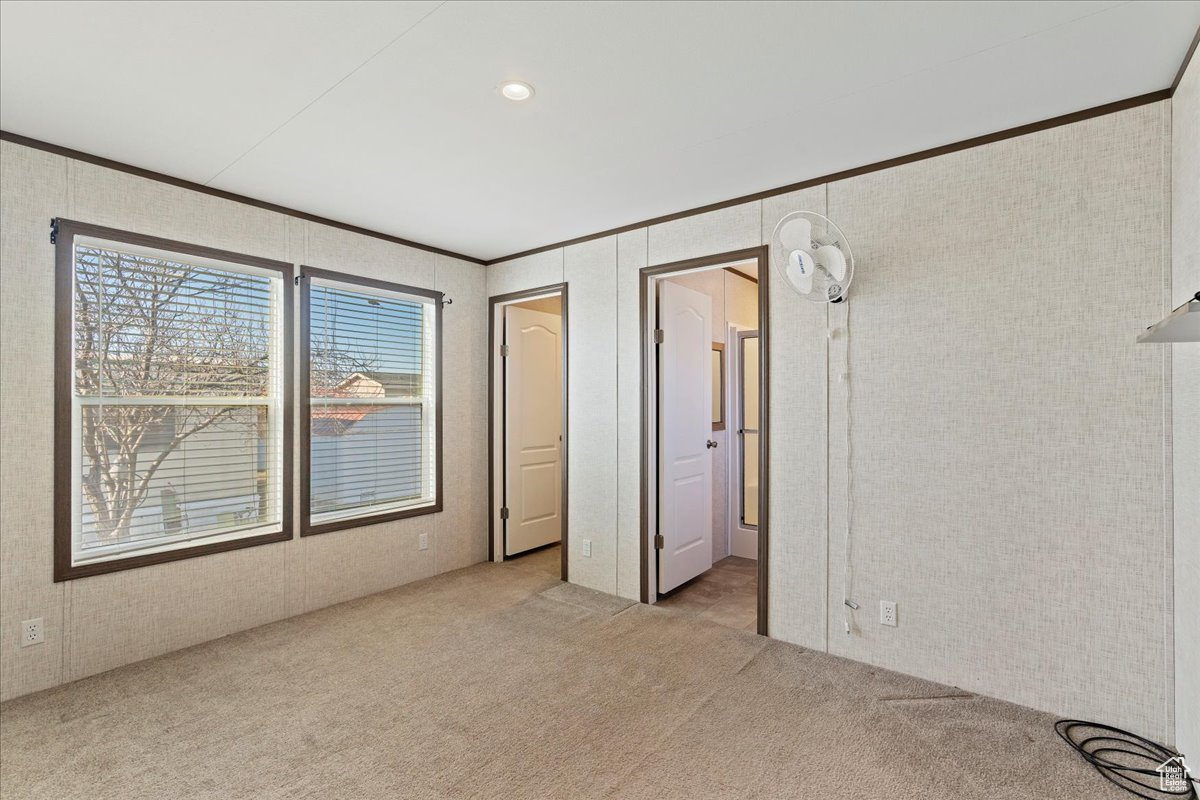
(659, 542)
(504, 513)
(658, 336)
(504, 351)
(297, 281)
(54, 231)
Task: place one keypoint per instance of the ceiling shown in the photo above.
(386, 115)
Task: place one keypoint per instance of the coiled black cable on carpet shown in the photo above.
(1126, 759)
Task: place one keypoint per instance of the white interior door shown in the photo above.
(533, 429)
(684, 425)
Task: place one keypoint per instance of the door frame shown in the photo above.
(496, 423)
(649, 400)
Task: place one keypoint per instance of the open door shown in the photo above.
(685, 420)
(533, 429)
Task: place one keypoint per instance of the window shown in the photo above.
(372, 422)
(172, 428)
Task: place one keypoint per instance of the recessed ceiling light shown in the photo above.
(516, 90)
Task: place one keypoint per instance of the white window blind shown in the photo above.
(177, 393)
(372, 385)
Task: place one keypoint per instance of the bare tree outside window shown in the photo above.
(174, 382)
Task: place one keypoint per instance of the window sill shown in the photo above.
(69, 572)
(308, 529)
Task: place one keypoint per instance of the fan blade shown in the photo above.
(800, 270)
(832, 259)
(796, 234)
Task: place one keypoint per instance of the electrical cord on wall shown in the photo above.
(848, 604)
(1127, 760)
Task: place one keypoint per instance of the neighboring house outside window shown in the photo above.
(372, 445)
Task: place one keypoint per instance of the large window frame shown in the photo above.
(66, 440)
(435, 299)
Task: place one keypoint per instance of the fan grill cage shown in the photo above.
(825, 287)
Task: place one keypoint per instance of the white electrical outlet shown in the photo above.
(423, 541)
(587, 548)
(887, 612)
(31, 632)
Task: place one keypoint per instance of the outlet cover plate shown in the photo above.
(587, 548)
(423, 541)
(887, 612)
(32, 632)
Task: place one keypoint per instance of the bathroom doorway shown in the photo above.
(704, 462)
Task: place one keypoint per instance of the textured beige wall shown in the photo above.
(98, 623)
(1007, 440)
(1007, 449)
(1185, 361)
(798, 503)
(590, 270)
(632, 256)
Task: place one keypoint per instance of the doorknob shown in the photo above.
(711, 444)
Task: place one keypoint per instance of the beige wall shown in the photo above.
(1006, 431)
(1185, 362)
(98, 623)
(1006, 452)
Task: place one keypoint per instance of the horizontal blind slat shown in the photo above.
(372, 381)
(178, 392)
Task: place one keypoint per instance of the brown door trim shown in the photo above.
(494, 303)
(649, 471)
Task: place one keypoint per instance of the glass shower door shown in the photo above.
(748, 425)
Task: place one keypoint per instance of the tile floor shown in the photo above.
(727, 594)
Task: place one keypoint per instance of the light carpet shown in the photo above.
(497, 681)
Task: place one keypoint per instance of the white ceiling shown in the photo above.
(385, 115)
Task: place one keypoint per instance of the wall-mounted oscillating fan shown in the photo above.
(813, 256)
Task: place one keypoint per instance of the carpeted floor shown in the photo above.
(727, 593)
(497, 681)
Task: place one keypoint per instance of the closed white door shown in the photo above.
(532, 429)
(684, 426)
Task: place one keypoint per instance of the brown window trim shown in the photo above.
(306, 526)
(64, 366)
